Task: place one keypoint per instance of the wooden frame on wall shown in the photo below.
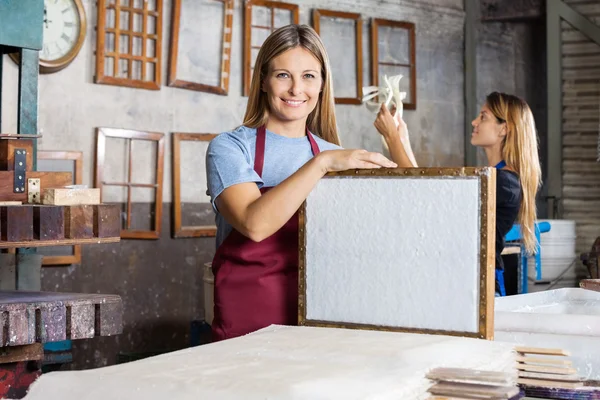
(180, 231)
(376, 62)
(317, 14)
(248, 26)
(131, 135)
(129, 46)
(486, 249)
(223, 86)
(77, 158)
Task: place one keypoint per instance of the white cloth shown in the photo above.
(284, 363)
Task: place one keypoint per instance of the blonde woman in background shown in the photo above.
(505, 129)
(260, 173)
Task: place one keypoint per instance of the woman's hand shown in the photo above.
(390, 124)
(394, 131)
(341, 160)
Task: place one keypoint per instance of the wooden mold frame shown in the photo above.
(131, 135)
(487, 179)
(376, 63)
(178, 230)
(248, 27)
(223, 87)
(129, 52)
(317, 14)
(77, 158)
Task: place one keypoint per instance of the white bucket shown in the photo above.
(209, 290)
(557, 250)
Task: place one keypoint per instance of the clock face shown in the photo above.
(62, 26)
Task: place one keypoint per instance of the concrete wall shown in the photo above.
(160, 281)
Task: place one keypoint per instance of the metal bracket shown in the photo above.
(33, 191)
(20, 169)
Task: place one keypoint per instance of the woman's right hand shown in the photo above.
(341, 160)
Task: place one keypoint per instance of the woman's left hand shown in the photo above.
(384, 123)
(389, 125)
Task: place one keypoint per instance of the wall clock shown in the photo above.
(64, 33)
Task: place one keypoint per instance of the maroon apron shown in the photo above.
(256, 284)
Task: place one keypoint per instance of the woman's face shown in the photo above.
(292, 85)
(487, 131)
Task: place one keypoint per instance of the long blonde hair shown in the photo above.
(321, 121)
(520, 151)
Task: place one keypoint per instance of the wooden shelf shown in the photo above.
(61, 242)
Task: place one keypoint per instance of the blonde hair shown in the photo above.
(520, 151)
(321, 121)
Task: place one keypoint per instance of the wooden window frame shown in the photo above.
(180, 231)
(77, 158)
(317, 14)
(102, 53)
(131, 135)
(410, 27)
(294, 8)
(223, 88)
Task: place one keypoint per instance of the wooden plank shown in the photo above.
(583, 166)
(69, 197)
(63, 242)
(586, 73)
(465, 375)
(478, 391)
(581, 61)
(11, 203)
(580, 153)
(587, 9)
(588, 192)
(581, 101)
(549, 383)
(541, 351)
(577, 126)
(580, 48)
(546, 369)
(47, 179)
(544, 360)
(553, 377)
(573, 36)
(28, 352)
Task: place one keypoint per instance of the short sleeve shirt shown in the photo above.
(230, 161)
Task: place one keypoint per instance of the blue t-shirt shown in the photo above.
(230, 161)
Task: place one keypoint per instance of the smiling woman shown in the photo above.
(260, 173)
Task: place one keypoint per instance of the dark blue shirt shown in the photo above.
(508, 202)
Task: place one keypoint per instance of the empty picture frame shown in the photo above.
(129, 43)
(261, 18)
(180, 231)
(400, 250)
(203, 68)
(341, 32)
(393, 52)
(129, 183)
(49, 160)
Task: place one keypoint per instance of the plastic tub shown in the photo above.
(568, 319)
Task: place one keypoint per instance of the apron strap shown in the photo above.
(259, 157)
(261, 138)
